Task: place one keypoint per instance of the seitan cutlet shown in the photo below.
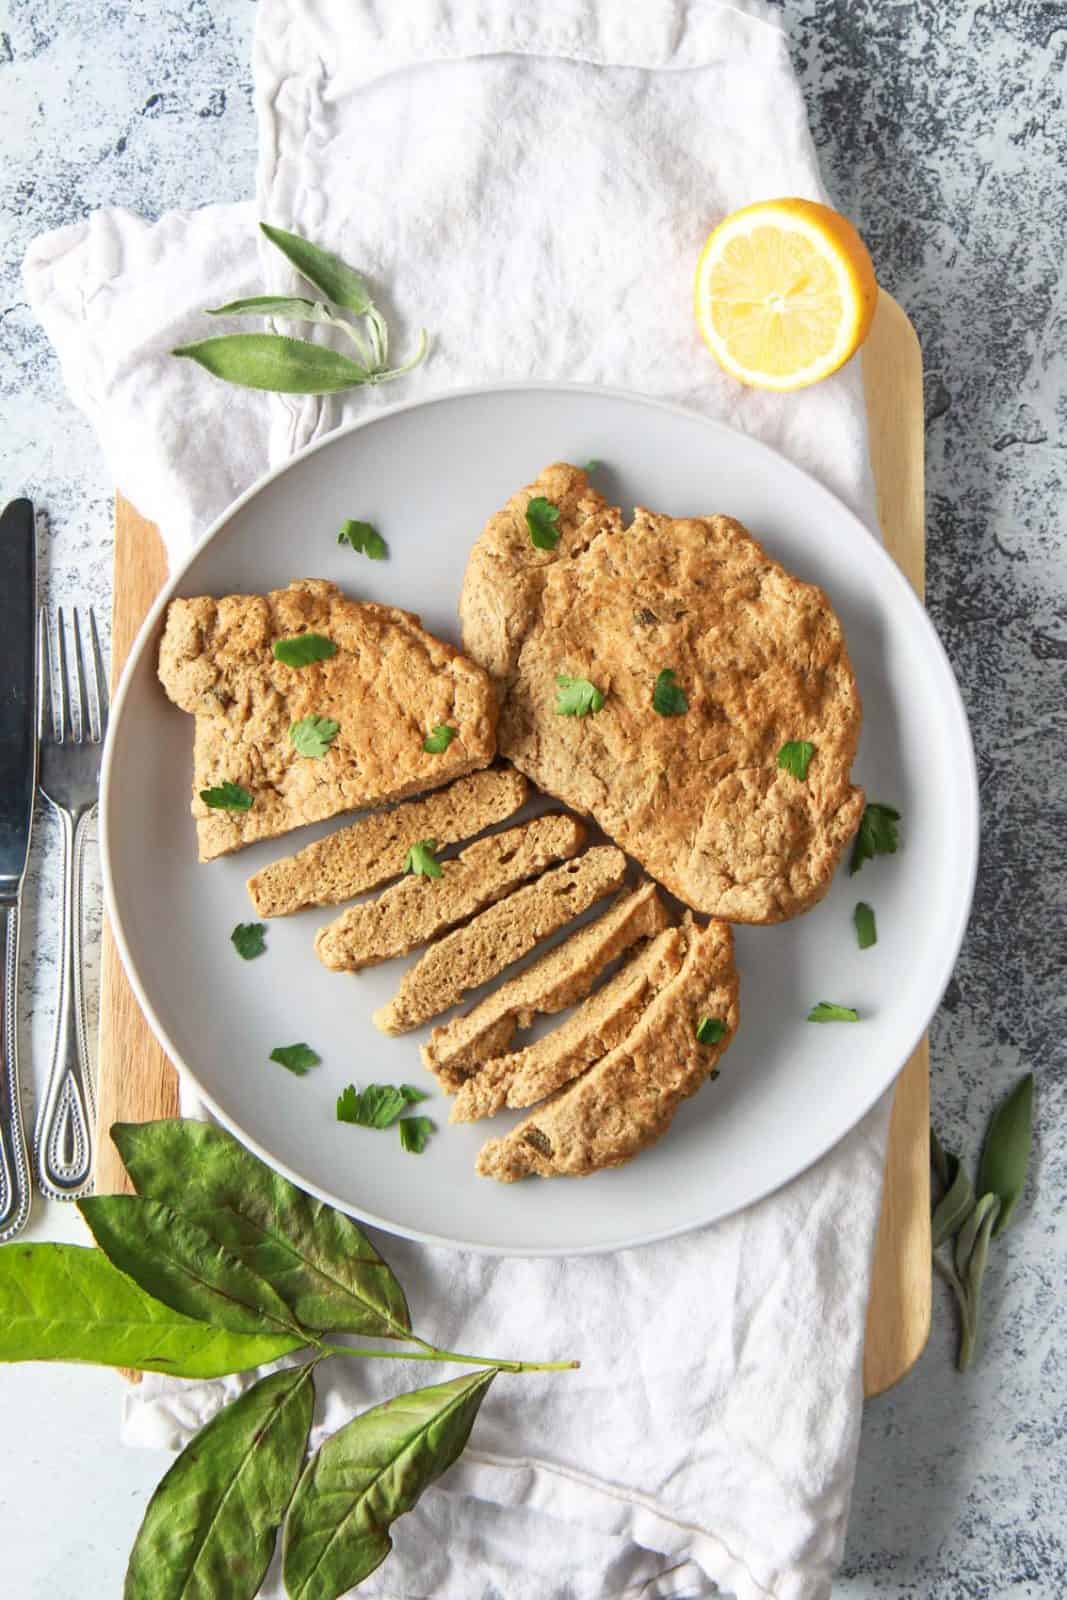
(418, 908)
(595, 1027)
(551, 983)
(369, 852)
(627, 1100)
(473, 954)
(681, 770)
(387, 684)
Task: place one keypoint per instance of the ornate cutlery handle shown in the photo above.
(63, 1138)
(14, 1166)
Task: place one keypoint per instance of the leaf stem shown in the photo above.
(430, 1352)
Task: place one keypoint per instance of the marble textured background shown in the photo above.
(942, 133)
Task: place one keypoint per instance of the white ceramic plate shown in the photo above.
(428, 476)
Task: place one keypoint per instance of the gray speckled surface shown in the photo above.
(942, 132)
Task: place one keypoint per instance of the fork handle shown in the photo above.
(63, 1137)
(14, 1165)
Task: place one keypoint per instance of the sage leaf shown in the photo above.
(943, 1162)
(66, 1302)
(953, 1209)
(210, 1528)
(319, 1261)
(972, 1282)
(179, 1263)
(968, 1234)
(274, 362)
(369, 1473)
(275, 305)
(330, 275)
(1006, 1153)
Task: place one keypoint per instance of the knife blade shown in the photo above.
(18, 783)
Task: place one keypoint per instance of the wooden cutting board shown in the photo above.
(138, 1083)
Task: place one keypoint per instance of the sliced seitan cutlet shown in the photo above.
(387, 685)
(369, 852)
(626, 1101)
(419, 908)
(556, 980)
(595, 1027)
(473, 954)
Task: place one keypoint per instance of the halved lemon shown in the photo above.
(785, 293)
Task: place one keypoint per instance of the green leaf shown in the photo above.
(377, 1106)
(667, 697)
(577, 697)
(303, 648)
(968, 1234)
(319, 1261)
(827, 1011)
(330, 275)
(415, 1133)
(945, 1164)
(866, 932)
(439, 739)
(795, 757)
(953, 1209)
(312, 736)
(972, 1280)
(247, 939)
(364, 539)
(542, 519)
(274, 305)
(180, 1263)
(66, 1302)
(1006, 1153)
(877, 836)
(295, 1058)
(276, 363)
(227, 797)
(211, 1526)
(369, 1473)
(421, 859)
(710, 1030)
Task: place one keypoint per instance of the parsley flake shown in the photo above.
(313, 736)
(379, 1105)
(795, 757)
(866, 932)
(227, 797)
(668, 698)
(421, 859)
(414, 1133)
(577, 697)
(438, 739)
(542, 518)
(247, 939)
(364, 539)
(710, 1030)
(295, 1058)
(827, 1011)
(303, 649)
(877, 836)
(592, 464)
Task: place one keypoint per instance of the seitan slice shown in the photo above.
(418, 908)
(387, 685)
(492, 941)
(553, 982)
(626, 1101)
(597, 1026)
(369, 852)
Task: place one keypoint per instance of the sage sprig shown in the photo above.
(283, 365)
(218, 1265)
(966, 1219)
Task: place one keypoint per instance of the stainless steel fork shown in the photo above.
(72, 734)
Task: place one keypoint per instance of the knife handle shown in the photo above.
(14, 1164)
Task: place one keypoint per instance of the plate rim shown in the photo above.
(969, 822)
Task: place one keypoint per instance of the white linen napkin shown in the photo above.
(532, 185)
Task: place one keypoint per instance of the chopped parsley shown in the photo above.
(247, 939)
(438, 739)
(420, 859)
(303, 649)
(710, 1030)
(364, 539)
(866, 932)
(542, 519)
(414, 1133)
(592, 465)
(227, 797)
(313, 736)
(379, 1105)
(877, 836)
(668, 697)
(795, 757)
(827, 1011)
(295, 1058)
(577, 697)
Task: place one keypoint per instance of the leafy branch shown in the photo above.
(284, 365)
(967, 1218)
(217, 1265)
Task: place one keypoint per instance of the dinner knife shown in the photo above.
(18, 783)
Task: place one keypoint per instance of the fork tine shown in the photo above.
(85, 726)
(65, 725)
(99, 677)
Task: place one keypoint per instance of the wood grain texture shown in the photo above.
(138, 1083)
